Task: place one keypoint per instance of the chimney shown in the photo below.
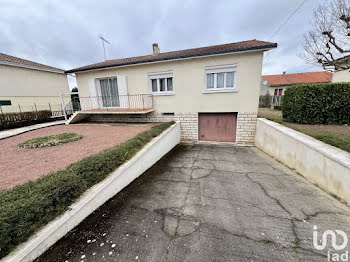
(155, 49)
(284, 72)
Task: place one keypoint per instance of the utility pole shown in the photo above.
(103, 44)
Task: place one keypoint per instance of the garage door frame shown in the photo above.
(218, 113)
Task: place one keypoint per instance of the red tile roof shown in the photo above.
(249, 45)
(12, 60)
(299, 78)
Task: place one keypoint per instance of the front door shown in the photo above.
(219, 127)
(109, 92)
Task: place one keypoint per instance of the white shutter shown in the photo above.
(123, 91)
(92, 86)
(91, 101)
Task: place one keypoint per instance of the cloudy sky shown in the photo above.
(65, 33)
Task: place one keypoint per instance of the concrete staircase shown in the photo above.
(77, 117)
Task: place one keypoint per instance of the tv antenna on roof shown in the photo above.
(103, 44)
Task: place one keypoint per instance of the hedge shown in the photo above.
(26, 208)
(317, 104)
(15, 120)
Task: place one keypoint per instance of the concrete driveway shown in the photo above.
(209, 203)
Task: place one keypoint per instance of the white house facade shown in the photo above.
(213, 91)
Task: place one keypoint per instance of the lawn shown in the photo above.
(335, 135)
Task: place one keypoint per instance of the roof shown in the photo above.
(299, 78)
(250, 45)
(16, 61)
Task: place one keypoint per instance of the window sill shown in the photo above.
(164, 94)
(206, 91)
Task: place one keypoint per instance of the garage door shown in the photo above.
(219, 127)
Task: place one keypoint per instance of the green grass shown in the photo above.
(26, 208)
(341, 141)
(335, 135)
(54, 140)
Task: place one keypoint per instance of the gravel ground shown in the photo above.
(20, 165)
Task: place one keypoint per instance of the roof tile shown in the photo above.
(299, 78)
(193, 52)
(23, 62)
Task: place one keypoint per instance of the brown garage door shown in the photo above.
(219, 127)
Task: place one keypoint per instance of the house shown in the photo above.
(342, 70)
(30, 86)
(276, 84)
(213, 90)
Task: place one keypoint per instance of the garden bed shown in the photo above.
(335, 135)
(53, 140)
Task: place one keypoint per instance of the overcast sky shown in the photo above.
(64, 33)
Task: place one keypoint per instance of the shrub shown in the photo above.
(15, 120)
(317, 103)
(265, 101)
(26, 208)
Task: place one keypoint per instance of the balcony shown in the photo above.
(83, 107)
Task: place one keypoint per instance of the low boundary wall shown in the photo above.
(322, 164)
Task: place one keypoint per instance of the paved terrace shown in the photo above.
(208, 203)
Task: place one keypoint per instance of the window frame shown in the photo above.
(216, 70)
(157, 76)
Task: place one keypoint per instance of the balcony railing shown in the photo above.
(122, 102)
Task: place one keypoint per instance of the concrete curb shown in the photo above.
(97, 196)
(21, 130)
(320, 163)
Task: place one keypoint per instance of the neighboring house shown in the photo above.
(342, 74)
(28, 86)
(275, 85)
(213, 91)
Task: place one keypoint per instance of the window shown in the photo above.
(278, 92)
(154, 85)
(220, 78)
(168, 114)
(5, 102)
(161, 83)
(109, 92)
(210, 81)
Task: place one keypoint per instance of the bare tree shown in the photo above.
(328, 43)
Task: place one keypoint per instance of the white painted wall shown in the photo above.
(18, 81)
(26, 86)
(341, 76)
(189, 83)
(322, 164)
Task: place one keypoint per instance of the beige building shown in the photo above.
(341, 76)
(213, 91)
(30, 86)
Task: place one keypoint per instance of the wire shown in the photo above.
(289, 17)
